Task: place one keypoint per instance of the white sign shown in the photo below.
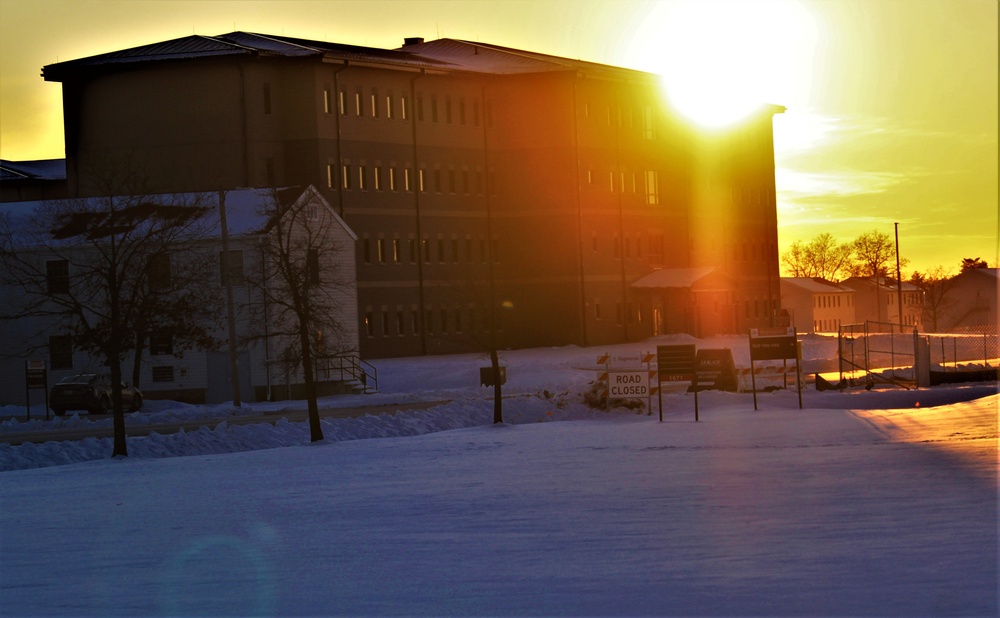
(627, 384)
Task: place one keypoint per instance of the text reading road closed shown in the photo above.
(628, 384)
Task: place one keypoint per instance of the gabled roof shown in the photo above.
(232, 44)
(43, 169)
(674, 277)
(244, 207)
(442, 54)
(816, 285)
(883, 282)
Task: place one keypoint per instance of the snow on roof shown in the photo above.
(673, 277)
(233, 44)
(244, 207)
(43, 169)
(816, 285)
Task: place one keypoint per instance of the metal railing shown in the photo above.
(347, 367)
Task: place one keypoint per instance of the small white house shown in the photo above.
(197, 375)
(816, 305)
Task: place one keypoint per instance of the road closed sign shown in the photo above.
(627, 384)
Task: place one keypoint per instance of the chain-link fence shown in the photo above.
(876, 353)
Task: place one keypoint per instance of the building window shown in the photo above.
(652, 190)
(434, 108)
(374, 100)
(402, 107)
(312, 265)
(60, 352)
(385, 323)
(380, 248)
(342, 102)
(161, 342)
(392, 179)
(440, 250)
(400, 323)
(329, 176)
(413, 250)
(420, 181)
(345, 174)
(437, 181)
(597, 310)
(377, 171)
(397, 255)
(407, 186)
(447, 109)
(326, 100)
(358, 108)
(57, 276)
(159, 272)
(388, 106)
(454, 250)
(362, 173)
(419, 104)
(164, 373)
(648, 128)
(369, 323)
(231, 268)
(414, 321)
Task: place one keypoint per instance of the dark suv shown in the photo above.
(91, 392)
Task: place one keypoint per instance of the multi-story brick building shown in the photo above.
(475, 177)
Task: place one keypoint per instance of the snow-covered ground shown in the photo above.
(874, 503)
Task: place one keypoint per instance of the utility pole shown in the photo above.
(234, 366)
(899, 279)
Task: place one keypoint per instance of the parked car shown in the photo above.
(91, 392)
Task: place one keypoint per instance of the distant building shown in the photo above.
(972, 302)
(877, 300)
(194, 375)
(815, 305)
(485, 184)
(32, 180)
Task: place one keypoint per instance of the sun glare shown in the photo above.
(721, 59)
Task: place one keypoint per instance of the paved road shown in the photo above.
(79, 433)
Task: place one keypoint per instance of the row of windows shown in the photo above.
(374, 104)
(633, 245)
(752, 251)
(435, 321)
(409, 250)
(627, 182)
(231, 267)
(393, 178)
(625, 117)
(823, 301)
(61, 350)
(632, 312)
(826, 326)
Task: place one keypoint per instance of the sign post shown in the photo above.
(775, 344)
(714, 370)
(675, 363)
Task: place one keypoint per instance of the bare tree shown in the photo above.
(84, 266)
(872, 252)
(936, 286)
(823, 257)
(304, 284)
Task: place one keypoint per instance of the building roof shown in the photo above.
(43, 169)
(883, 282)
(674, 277)
(816, 285)
(441, 54)
(244, 207)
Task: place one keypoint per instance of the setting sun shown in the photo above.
(720, 60)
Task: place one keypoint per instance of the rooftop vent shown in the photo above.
(413, 40)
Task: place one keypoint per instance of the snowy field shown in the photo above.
(876, 503)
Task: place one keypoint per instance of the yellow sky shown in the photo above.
(892, 104)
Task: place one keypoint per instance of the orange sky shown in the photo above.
(892, 104)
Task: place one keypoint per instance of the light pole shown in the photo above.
(899, 279)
